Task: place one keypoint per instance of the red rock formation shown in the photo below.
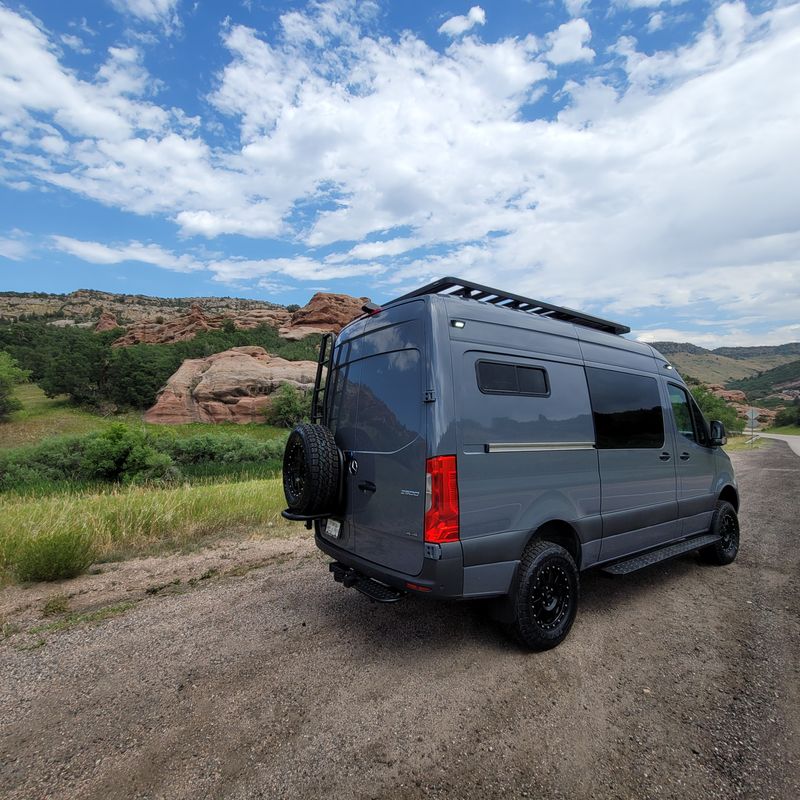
(187, 326)
(232, 386)
(107, 322)
(324, 313)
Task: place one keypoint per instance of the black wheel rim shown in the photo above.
(551, 596)
(729, 531)
(295, 469)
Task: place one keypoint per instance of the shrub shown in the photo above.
(716, 408)
(122, 453)
(788, 416)
(50, 556)
(289, 406)
(10, 375)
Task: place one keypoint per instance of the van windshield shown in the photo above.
(376, 402)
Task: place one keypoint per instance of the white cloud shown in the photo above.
(161, 12)
(75, 43)
(656, 22)
(576, 8)
(97, 253)
(724, 336)
(568, 42)
(456, 26)
(301, 268)
(13, 248)
(672, 188)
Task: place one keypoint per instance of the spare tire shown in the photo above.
(311, 470)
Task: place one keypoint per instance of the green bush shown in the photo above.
(10, 375)
(124, 454)
(49, 556)
(788, 416)
(716, 408)
(289, 406)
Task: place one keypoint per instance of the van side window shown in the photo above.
(681, 412)
(495, 377)
(626, 410)
(700, 424)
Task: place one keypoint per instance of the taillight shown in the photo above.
(441, 500)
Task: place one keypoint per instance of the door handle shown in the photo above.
(684, 456)
(664, 457)
(367, 486)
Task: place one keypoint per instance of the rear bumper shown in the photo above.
(443, 577)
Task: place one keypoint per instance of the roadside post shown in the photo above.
(752, 415)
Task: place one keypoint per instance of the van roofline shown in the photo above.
(458, 287)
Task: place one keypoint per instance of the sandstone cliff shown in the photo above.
(232, 386)
(324, 313)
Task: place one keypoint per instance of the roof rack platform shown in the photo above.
(456, 287)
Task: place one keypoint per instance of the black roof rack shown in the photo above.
(456, 287)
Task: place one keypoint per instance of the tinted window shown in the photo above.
(626, 409)
(498, 378)
(389, 401)
(681, 413)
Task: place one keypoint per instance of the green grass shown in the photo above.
(788, 430)
(42, 417)
(132, 520)
(743, 443)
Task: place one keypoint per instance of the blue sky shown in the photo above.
(637, 159)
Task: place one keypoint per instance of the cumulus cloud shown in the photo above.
(98, 253)
(456, 26)
(671, 187)
(568, 42)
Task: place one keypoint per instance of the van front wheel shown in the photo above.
(546, 598)
(725, 524)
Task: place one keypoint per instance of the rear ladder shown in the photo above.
(323, 362)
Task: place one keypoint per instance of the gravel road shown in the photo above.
(678, 682)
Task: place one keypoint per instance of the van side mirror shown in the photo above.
(718, 435)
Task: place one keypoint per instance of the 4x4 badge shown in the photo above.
(353, 467)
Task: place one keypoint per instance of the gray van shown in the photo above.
(471, 443)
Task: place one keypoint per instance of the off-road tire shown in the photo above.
(545, 600)
(724, 523)
(311, 470)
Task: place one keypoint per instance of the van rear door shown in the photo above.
(377, 417)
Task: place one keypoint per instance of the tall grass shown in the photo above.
(70, 530)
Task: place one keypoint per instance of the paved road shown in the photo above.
(792, 441)
(682, 681)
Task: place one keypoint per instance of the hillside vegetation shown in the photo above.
(726, 364)
(767, 382)
(83, 365)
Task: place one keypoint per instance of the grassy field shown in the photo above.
(134, 520)
(743, 443)
(787, 430)
(60, 533)
(43, 416)
(713, 368)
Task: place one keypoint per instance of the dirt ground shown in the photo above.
(255, 675)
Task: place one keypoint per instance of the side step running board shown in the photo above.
(662, 554)
(375, 590)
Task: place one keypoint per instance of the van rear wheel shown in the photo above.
(311, 470)
(546, 597)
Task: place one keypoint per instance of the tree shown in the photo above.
(789, 415)
(716, 408)
(10, 375)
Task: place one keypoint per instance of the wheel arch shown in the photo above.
(559, 532)
(729, 494)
